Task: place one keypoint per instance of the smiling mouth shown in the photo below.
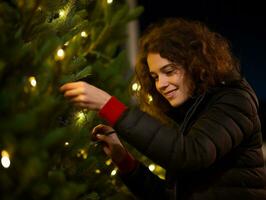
(170, 93)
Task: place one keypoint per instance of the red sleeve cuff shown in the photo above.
(127, 165)
(112, 110)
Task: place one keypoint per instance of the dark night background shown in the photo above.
(243, 23)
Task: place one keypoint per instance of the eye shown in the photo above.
(169, 70)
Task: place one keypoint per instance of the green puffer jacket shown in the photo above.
(214, 155)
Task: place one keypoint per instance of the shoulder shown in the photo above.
(238, 95)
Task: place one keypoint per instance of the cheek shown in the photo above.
(157, 87)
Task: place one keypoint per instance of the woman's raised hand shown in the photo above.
(85, 95)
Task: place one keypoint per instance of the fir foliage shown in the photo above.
(47, 140)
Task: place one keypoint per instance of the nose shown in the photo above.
(161, 83)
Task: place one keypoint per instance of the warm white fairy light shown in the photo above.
(80, 118)
(109, 1)
(108, 162)
(135, 87)
(152, 167)
(60, 54)
(97, 171)
(32, 81)
(62, 13)
(84, 34)
(5, 161)
(82, 153)
(66, 143)
(114, 171)
(66, 43)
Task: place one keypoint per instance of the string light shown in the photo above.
(109, 1)
(82, 153)
(32, 81)
(60, 54)
(5, 161)
(108, 162)
(66, 143)
(114, 171)
(80, 118)
(66, 43)
(151, 167)
(62, 13)
(97, 171)
(136, 87)
(84, 34)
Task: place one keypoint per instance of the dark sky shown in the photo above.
(242, 22)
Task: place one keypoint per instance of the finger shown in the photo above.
(97, 128)
(74, 92)
(81, 105)
(71, 85)
(67, 86)
(102, 138)
(78, 99)
(95, 131)
(104, 129)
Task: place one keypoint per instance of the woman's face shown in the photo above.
(170, 79)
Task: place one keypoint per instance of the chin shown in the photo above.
(175, 104)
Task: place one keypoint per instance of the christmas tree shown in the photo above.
(46, 152)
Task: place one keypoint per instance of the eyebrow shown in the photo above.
(163, 67)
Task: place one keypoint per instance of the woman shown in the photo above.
(202, 124)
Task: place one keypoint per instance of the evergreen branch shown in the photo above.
(99, 40)
(30, 18)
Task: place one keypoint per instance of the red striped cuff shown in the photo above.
(112, 110)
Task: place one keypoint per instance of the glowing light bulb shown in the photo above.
(80, 118)
(136, 87)
(152, 167)
(109, 1)
(32, 81)
(83, 34)
(66, 143)
(108, 162)
(5, 161)
(60, 54)
(114, 171)
(97, 171)
(62, 13)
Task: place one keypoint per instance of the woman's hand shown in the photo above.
(111, 143)
(85, 95)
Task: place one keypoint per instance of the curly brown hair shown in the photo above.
(205, 55)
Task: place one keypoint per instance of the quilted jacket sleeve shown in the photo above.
(225, 123)
(145, 185)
